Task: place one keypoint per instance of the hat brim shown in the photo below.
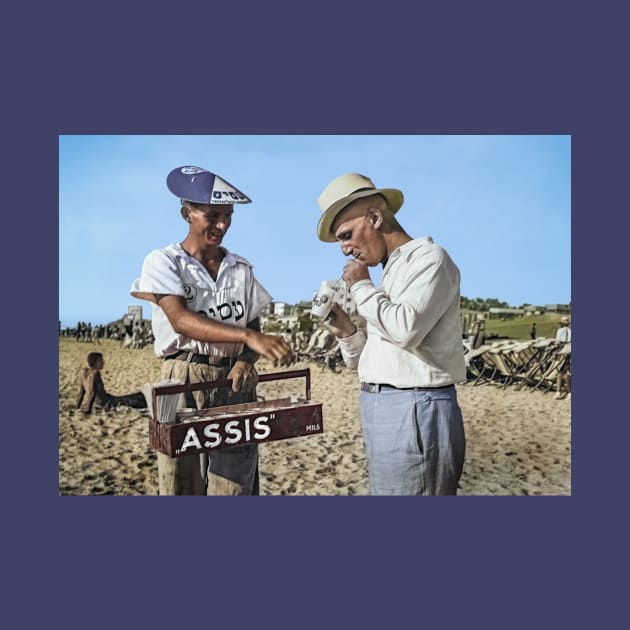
(394, 199)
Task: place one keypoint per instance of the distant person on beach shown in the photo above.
(95, 335)
(289, 336)
(532, 332)
(136, 335)
(563, 380)
(92, 389)
(126, 331)
(206, 305)
(413, 353)
(563, 334)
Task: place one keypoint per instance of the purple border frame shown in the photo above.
(459, 67)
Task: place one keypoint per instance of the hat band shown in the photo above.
(361, 190)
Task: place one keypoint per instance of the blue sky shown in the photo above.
(500, 205)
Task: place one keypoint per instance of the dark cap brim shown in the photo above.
(198, 185)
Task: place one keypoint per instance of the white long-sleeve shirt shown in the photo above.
(563, 334)
(413, 321)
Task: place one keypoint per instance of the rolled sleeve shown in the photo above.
(160, 274)
(259, 299)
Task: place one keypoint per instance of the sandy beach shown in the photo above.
(518, 442)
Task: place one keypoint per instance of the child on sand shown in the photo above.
(92, 390)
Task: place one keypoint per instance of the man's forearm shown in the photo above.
(248, 355)
(195, 326)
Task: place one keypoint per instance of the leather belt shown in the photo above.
(191, 357)
(375, 388)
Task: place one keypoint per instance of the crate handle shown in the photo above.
(225, 382)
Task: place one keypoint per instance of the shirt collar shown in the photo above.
(407, 248)
(229, 259)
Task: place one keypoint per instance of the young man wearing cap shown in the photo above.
(206, 304)
(413, 354)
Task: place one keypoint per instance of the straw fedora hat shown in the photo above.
(341, 192)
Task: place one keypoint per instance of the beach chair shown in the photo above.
(518, 358)
(560, 364)
(539, 362)
(312, 345)
(505, 370)
(520, 355)
(485, 364)
(474, 361)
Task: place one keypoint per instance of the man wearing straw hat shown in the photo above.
(413, 353)
(563, 380)
(206, 304)
(563, 334)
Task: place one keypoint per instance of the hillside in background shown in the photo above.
(519, 327)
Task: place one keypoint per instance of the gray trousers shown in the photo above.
(230, 471)
(414, 439)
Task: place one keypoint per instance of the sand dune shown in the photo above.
(518, 442)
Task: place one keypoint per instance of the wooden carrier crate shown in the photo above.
(205, 430)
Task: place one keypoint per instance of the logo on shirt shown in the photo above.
(225, 311)
(190, 292)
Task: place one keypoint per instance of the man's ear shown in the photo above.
(184, 210)
(375, 216)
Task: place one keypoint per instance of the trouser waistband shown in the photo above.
(375, 388)
(192, 357)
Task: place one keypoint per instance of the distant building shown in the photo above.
(496, 312)
(135, 312)
(533, 310)
(558, 308)
(280, 308)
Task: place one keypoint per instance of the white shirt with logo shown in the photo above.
(235, 297)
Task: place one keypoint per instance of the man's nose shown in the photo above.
(346, 250)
